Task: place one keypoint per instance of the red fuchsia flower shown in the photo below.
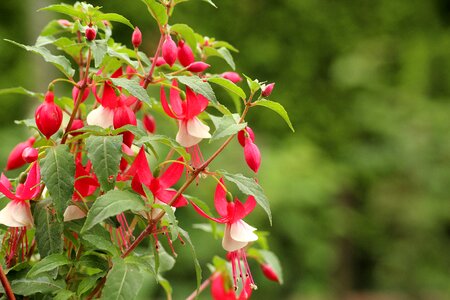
(15, 159)
(232, 76)
(247, 132)
(269, 273)
(136, 37)
(237, 233)
(267, 89)
(149, 123)
(90, 33)
(252, 154)
(185, 54)
(191, 129)
(30, 154)
(76, 125)
(159, 186)
(17, 212)
(221, 291)
(198, 66)
(160, 61)
(169, 50)
(124, 115)
(76, 92)
(48, 116)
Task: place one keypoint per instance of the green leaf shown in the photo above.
(228, 85)
(88, 283)
(211, 3)
(123, 281)
(272, 260)
(64, 9)
(186, 33)
(100, 243)
(162, 139)
(115, 18)
(42, 285)
(123, 57)
(198, 268)
(69, 46)
(166, 286)
(197, 85)
(111, 204)
(250, 187)
(157, 10)
(133, 88)
(105, 153)
(220, 44)
(60, 62)
(64, 295)
(223, 53)
(20, 90)
(254, 85)
(58, 171)
(99, 49)
(226, 126)
(49, 229)
(48, 263)
(276, 107)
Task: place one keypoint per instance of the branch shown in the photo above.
(6, 285)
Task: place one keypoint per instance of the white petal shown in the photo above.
(196, 128)
(242, 232)
(184, 138)
(73, 212)
(230, 244)
(16, 214)
(101, 116)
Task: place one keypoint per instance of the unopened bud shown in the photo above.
(76, 92)
(48, 116)
(247, 132)
(198, 66)
(149, 123)
(232, 76)
(169, 50)
(269, 273)
(76, 125)
(136, 37)
(30, 154)
(252, 155)
(90, 33)
(268, 90)
(185, 54)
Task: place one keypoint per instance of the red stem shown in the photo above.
(6, 285)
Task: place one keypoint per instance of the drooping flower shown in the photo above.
(267, 89)
(198, 67)
(30, 154)
(15, 159)
(237, 233)
(191, 129)
(269, 272)
(169, 50)
(252, 155)
(48, 116)
(220, 290)
(136, 37)
(149, 123)
(17, 212)
(159, 186)
(232, 76)
(185, 54)
(124, 115)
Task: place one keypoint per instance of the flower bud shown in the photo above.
(76, 124)
(48, 116)
(136, 37)
(30, 154)
(160, 61)
(252, 155)
(269, 273)
(267, 90)
(15, 159)
(90, 33)
(76, 92)
(185, 54)
(169, 50)
(243, 134)
(149, 123)
(232, 76)
(198, 66)
(64, 23)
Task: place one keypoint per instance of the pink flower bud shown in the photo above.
(252, 155)
(149, 123)
(232, 76)
(160, 61)
(30, 154)
(76, 92)
(268, 90)
(243, 134)
(90, 33)
(64, 23)
(48, 116)
(269, 273)
(185, 54)
(15, 159)
(76, 124)
(198, 66)
(169, 50)
(136, 37)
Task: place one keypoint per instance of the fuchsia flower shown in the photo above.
(124, 115)
(269, 272)
(90, 33)
(267, 89)
(136, 37)
(185, 54)
(30, 154)
(191, 129)
(198, 66)
(15, 159)
(48, 116)
(149, 123)
(252, 154)
(17, 212)
(76, 92)
(169, 50)
(159, 186)
(220, 290)
(232, 76)
(237, 233)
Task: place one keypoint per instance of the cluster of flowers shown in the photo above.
(114, 109)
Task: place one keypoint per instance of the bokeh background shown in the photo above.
(360, 193)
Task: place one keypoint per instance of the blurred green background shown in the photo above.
(360, 193)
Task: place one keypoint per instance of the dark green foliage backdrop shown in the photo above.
(360, 192)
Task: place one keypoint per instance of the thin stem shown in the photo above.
(97, 289)
(148, 79)
(6, 285)
(78, 101)
(201, 288)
